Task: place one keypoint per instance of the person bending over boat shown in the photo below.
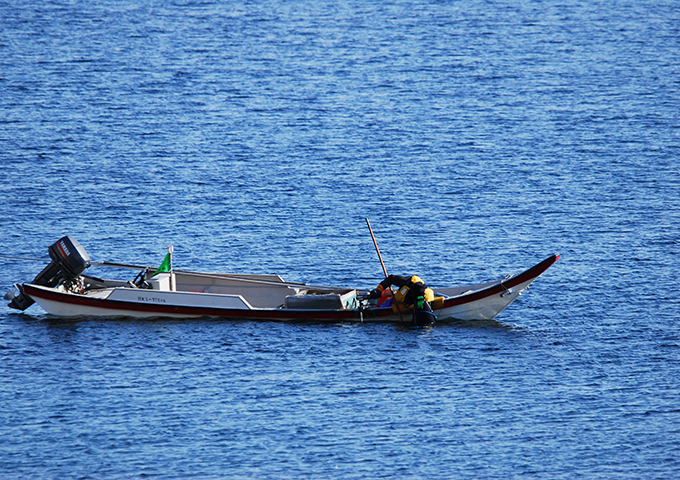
(409, 289)
(412, 293)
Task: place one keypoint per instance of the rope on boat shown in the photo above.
(506, 291)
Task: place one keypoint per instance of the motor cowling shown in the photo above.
(69, 260)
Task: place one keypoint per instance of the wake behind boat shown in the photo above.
(62, 289)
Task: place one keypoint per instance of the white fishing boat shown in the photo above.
(62, 288)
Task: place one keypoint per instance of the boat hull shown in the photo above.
(480, 302)
(168, 305)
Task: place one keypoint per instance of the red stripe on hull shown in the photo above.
(530, 274)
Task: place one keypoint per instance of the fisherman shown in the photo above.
(412, 293)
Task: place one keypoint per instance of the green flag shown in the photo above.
(165, 266)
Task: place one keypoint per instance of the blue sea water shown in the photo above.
(478, 137)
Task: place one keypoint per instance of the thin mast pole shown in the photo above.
(376, 247)
(396, 305)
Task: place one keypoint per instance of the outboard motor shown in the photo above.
(69, 260)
